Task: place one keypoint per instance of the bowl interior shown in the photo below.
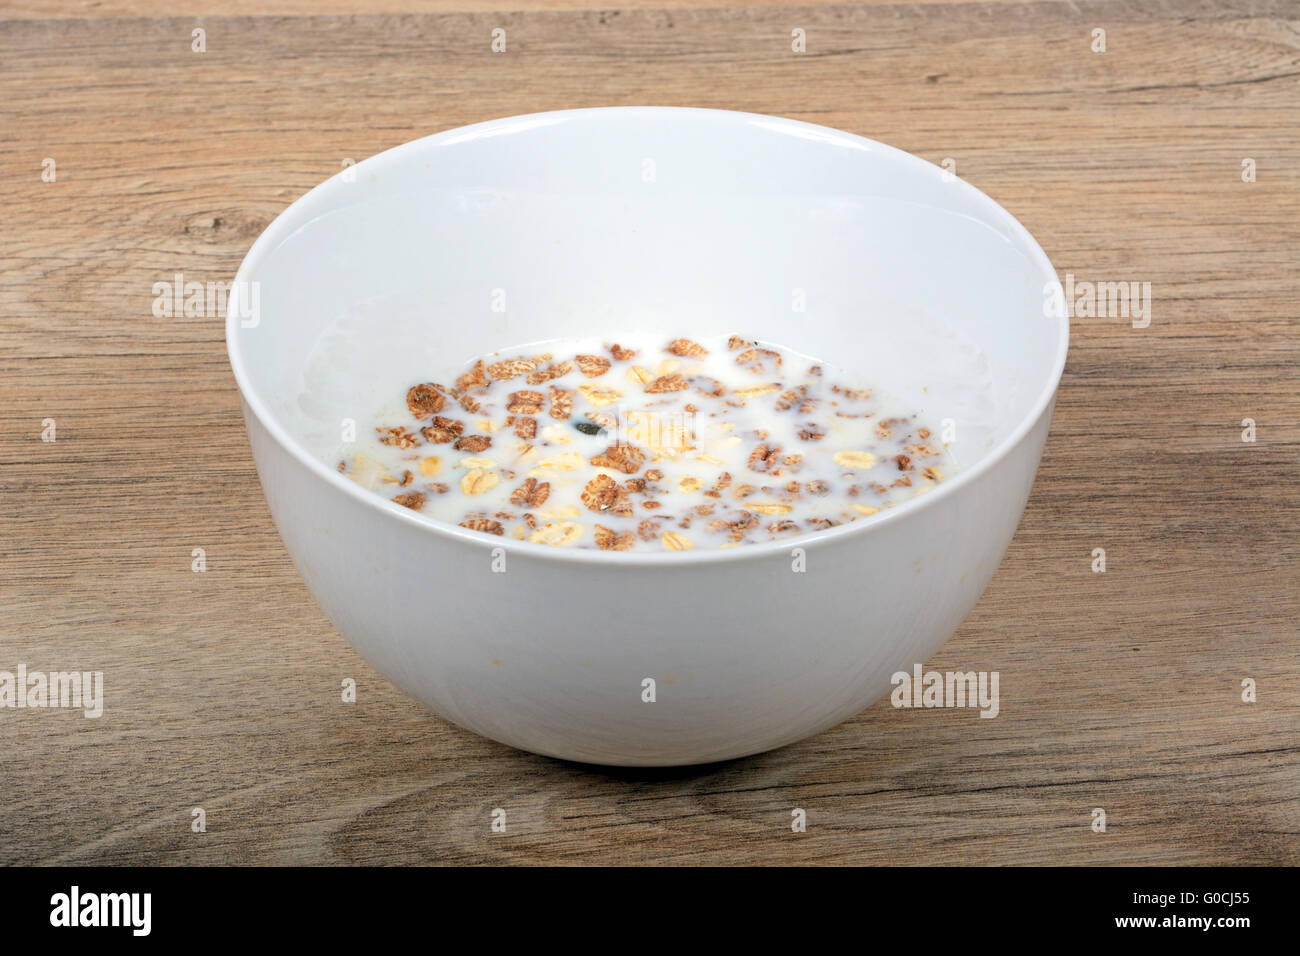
(690, 222)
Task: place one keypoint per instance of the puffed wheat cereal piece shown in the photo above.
(476, 377)
(442, 430)
(667, 383)
(759, 361)
(685, 347)
(551, 372)
(561, 402)
(524, 402)
(512, 368)
(483, 524)
(707, 385)
(763, 458)
(603, 493)
(624, 457)
(531, 493)
(609, 540)
(592, 366)
(397, 436)
(424, 401)
(472, 443)
(790, 398)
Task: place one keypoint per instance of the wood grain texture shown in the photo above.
(53, 9)
(1119, 690)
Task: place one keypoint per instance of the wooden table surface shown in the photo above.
(1120, 690)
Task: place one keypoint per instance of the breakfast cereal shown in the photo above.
(648, 444)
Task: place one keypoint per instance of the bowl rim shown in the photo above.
(302, 210)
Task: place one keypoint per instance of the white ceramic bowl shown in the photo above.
(693, 222)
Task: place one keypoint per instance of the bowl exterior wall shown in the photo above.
(552, 656)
